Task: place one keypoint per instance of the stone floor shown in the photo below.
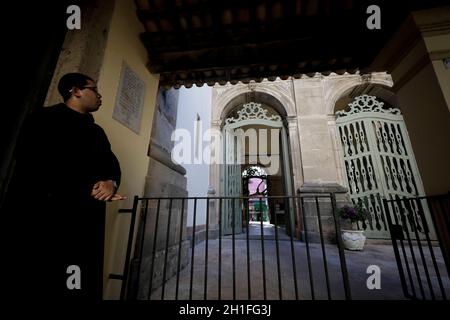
(235, 284)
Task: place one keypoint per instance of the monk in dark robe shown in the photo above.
(65, 172)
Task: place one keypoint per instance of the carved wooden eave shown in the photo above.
(209, 41)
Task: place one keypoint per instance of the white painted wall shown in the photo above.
(192, 102)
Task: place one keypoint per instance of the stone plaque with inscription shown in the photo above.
(130, 99)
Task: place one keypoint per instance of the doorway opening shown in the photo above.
(255, 187)
(257, 167)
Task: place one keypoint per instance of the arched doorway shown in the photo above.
(253, 134)
(378, 161)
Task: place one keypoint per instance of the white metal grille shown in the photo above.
(378, 161)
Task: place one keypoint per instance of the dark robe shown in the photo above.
(60, 155)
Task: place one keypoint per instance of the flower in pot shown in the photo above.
(353, 238)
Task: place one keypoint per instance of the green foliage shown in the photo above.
(354, 213)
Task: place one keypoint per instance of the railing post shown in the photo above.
(129, 245)
(396, 232)
(308, 253)
(340, 248)
(143, 223)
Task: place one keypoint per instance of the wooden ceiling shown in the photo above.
(208, 41)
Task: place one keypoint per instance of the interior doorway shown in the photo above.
(254, 180)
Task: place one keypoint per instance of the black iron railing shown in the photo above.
(413, 223)
(182, 252)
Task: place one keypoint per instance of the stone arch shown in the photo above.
(366, 84)
(236, 95)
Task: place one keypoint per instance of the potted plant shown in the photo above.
(353, 238)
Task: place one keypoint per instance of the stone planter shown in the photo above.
(353, 239)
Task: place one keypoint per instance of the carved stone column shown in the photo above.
(295, 152)
(309, 209)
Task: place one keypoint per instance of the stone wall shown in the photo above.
(173, 256)
(83, 49)
(327, 220)
(164, 179)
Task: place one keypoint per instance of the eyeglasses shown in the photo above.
(92, 88)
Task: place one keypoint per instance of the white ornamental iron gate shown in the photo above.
(232, 213)
(378, 162)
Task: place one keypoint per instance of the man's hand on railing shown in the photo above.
(106, 191)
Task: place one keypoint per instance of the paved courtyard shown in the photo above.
(237, 283)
